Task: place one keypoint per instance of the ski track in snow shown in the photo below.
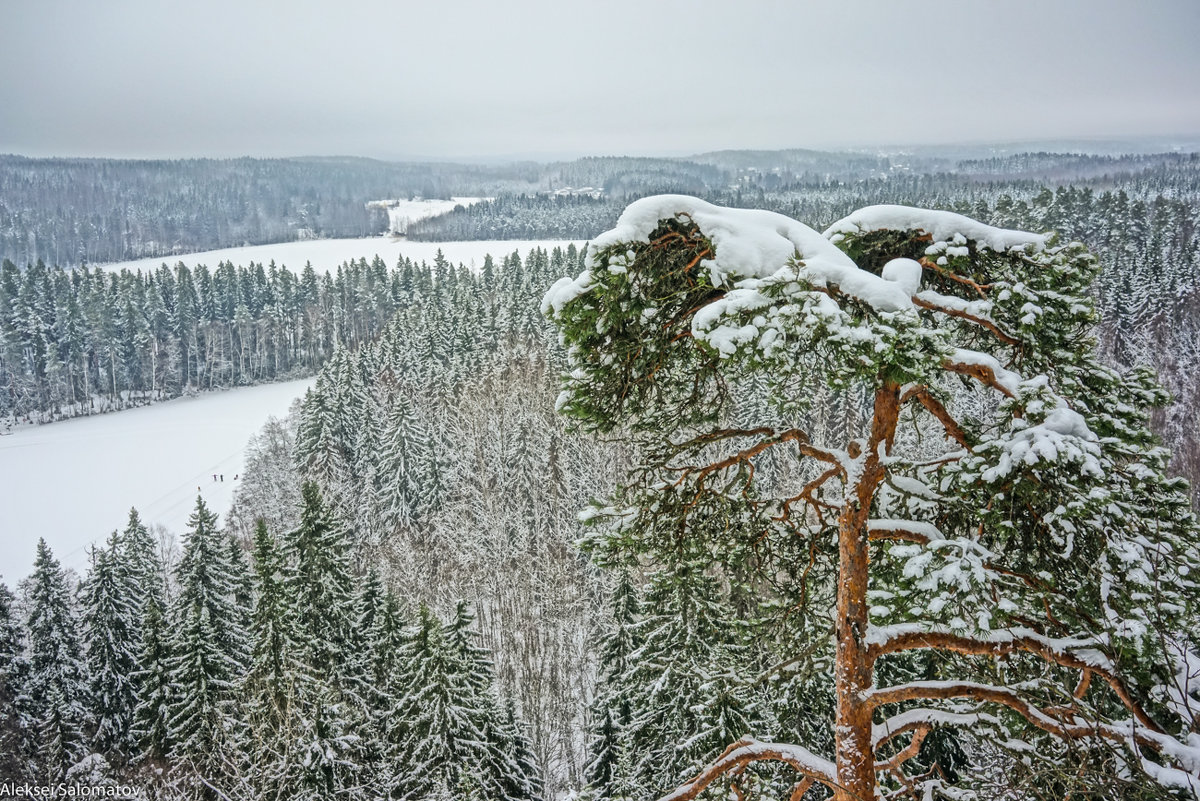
(327, 255)
(74, 481)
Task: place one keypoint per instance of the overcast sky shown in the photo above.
(525, 78)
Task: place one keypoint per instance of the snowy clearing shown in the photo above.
(327, 254)
(403, 213)
(73, 482)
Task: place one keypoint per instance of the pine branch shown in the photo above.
(1006, 642)
(747, 750)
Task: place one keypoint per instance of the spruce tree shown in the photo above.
(58, 677)
(524, 778)
(242, 580)
(207, 648)
(404, 467)
(428, 719)
(501, 760)
(386, 645)
(138, 551)
(270, 684)
(685, 699)
(152, 716)
(15, 707)
(320, 591)
(111, 631)
(612, 710)
(320, 585)
(448, 725)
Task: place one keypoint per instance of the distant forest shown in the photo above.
(70, 212)
(75, 211)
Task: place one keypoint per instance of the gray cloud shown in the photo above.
(527, 77)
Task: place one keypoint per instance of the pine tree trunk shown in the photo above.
(854, 668)
(853, 672)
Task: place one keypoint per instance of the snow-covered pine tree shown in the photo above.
(686, 699)
(1037, 553)
(612, 710)
(207, 649)
(502, 761)
(58, 678)
(319, 452)
(15, 721)
(447, 726)
(321, 585)
(112, 634)
(427, 717)
(373, 617)
(405, 462)
(525, 780)
(138, 551)
(386, 643)
(242, 578)
(268, 690)
(152, 716)
(329, 707)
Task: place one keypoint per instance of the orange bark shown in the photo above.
(935, 407)
(854, 671)
(967, 645)
(1007, 339)
(929, 264)
(1068, 727)
(731, 761)
(980, 373)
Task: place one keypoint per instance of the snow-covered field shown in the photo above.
(74, 481)
(328, 254)
(403, 213)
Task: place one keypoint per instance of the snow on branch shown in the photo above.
(747, 750)
(922, 717)
(1076, 652)
(985, 368)
(748, 244)
(924, 301)
(911, 530)
(1061, 723)
(942, 226)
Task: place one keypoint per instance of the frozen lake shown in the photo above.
(73, 482)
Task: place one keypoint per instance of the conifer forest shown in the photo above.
(814, 475)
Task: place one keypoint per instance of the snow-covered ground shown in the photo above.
(328, 254)
(403, 213)
(74, 481)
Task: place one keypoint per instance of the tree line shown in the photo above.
(221, 677)
(91, 211)
(76, 341)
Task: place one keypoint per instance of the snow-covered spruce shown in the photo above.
(1000, 523)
